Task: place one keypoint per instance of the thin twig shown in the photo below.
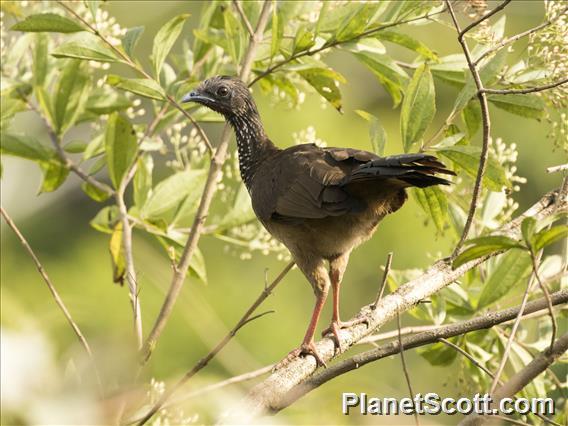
(560, 168)
(244, 18)
(525, 90)
(509, 344)
(384, 281)
(544, 289)
(510, 40)
(404, 368)
(205, 202)
(483, 18)
(485, 121)
(50, 286)
(311, 52)
(124, 57)
(468, 356)
(245, 319)
(523, 377)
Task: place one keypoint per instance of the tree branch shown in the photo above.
(268, 394)
(404, 368)
(525, 90)
(311, 52)
(205, 202)
(523, 377)
(483, 18)
(486, 122)
(244, 18)
(51, 287)
(481, 322)
(245, 319)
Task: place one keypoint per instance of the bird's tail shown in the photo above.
(413, 169)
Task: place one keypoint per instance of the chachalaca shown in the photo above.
(320, 203)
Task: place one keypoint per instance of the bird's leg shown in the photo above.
(320, 281)
(336, 269)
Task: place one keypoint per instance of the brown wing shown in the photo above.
(309, 183)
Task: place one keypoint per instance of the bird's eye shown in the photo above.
(223, 91)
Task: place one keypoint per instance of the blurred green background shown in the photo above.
(77, 259)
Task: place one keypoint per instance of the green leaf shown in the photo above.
(487, 74)
(240, 213)
(54, 174)
(434, 202)
(528, 227)
(107, 101)
(438, 354)
(71, 94)
(277, 32)
(325, 80)
(450, 69)
(197, 266)
(467, 157)
(140, 86)
(47, 22)
(24, 147)
(527, 105)
(170, 192)
(471, 116)
(389, 74)
(418, 107)
(165, 39)
(354, 23)
(131, 38)
(39, 55)
(117, 254)
(232, 35)
(510, 271)
(143, 180)
(94, 192)
(377, 133)
(408, 42)
(75, 147)
(106, 219)
(484, 246)
(95, 147)
(87, 47)
(121, 146)
(304, 40)
(45, 104)
(186, 212)
(365, 45)
(546, 237)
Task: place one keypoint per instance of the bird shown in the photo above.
(321, 203)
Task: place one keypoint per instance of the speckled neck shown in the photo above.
(252, 143)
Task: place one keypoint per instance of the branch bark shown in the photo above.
(487, 320)
(205, 202)
(268, 395)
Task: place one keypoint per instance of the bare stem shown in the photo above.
(468, 356)
(51, 287)
(205, 202)
(244, 18)
(526, 90)
(384, 281)
(404, 367)
(245, 319)
(544, 288)
(484, 116)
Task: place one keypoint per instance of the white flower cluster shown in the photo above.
(102, 21)
(167, 416)
(252, 237)
(506, 156)
(308, 135)
(189, 149)
(548, 48)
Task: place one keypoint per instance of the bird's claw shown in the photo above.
(303, 350)
(334, 328)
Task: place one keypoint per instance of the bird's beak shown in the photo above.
(195, 96)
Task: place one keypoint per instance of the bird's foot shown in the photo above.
(303, 350)
(335, 327)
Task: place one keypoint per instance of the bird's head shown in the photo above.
(224, 94)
